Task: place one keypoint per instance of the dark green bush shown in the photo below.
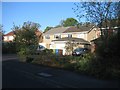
(29, 59)
(8, 48)
(82, 64)
(104, 68)
(109, 47)
(107, 64)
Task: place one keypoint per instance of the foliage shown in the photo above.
(69, 22)
(97, 12)
(57, 26)
(69, 46)
(108, 55)
(47, 29)
(87, 64)
(25, 37)
(104, 68)
(8, 47)
(111, 22)
(109, 47)
(1, 31)
(94, 10)
(83, 63)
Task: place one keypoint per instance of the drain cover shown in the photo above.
(44, 74)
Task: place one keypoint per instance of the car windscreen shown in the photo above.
(78, 49)
(41, 47)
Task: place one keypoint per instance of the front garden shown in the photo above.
(103, 64)
(89, 64)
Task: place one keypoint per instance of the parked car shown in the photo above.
(36, 49)
(80, 51)
(40, 48)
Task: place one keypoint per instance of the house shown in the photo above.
(56, 38)
(111, 30)
(10, 36)
(52, 34)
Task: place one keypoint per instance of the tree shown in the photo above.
(69, 46)
(111, 23)
(25, 36)
(96, 12)
(47, 29)
(57, 26)
(69, 22)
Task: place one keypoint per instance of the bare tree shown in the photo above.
(96, 12)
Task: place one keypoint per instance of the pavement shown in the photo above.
(16, 74)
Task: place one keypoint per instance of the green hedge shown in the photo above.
(8, 48)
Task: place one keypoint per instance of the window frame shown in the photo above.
(47, 36)
(57, 36)
(69, 35)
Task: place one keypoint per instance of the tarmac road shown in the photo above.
(16, 74)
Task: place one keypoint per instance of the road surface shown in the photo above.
(16, 74)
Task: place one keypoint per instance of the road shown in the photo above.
(16, 74)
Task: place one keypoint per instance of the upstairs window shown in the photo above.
(57, 36)
(47, 37)
(69, 35)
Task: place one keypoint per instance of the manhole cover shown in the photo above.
(44, 74)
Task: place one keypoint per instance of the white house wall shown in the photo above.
(5, 38)
(11, 38)
(61, 46)
(8, 38)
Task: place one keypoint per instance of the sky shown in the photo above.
(44, 13)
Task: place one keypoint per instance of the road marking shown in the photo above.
(58, 84)
(45, 74)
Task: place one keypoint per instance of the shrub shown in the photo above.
(108, 53)
(109, 47)
(69, 66)
(8, 48)
(82, 65)
(29, 59)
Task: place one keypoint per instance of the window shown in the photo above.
(57, 36)
(69, 35)
(80, 36)
(47, 37)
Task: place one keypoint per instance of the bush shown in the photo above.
(83, 64)
(8, 48)
(103, 68)
(29, 59)
(108, 58)
(109, 47)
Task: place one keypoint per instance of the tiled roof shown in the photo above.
(12, 33)
(68, 29)
(76, 29)
(9, 34)
(56, 30)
